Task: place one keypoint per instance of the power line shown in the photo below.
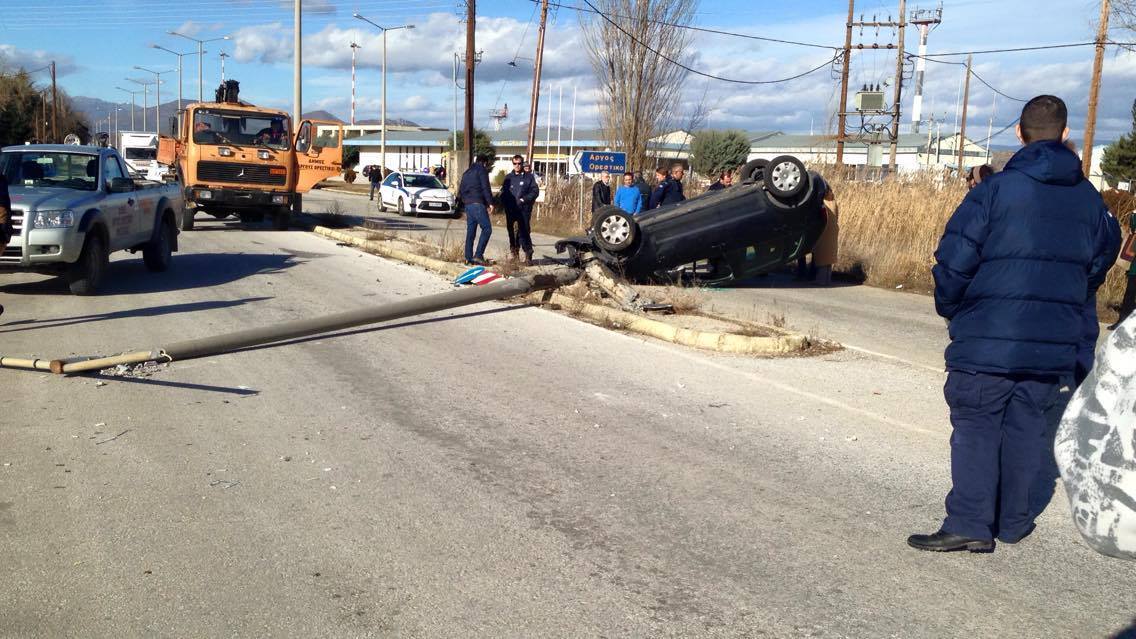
(688, 27)
(1034, 48)
(972, 72)
(703, 73)
(997, 133)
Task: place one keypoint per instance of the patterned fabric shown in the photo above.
(1096, 448)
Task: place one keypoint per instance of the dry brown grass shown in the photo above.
(378, 236)
(559, 213)
(889, 232)
(684, 300)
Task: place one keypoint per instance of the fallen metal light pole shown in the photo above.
(206, 346)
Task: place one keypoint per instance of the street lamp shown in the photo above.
(132, 94)
(200, 54)
(383, 138)
(158, 96)
(179, 56)
(145, 98)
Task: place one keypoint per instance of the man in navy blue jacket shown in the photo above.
(477, 198)
(1017, 268)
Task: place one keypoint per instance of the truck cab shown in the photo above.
(234, 157)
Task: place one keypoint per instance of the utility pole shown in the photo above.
(223, 56)
(965, 99)
(297, 57)
(470, 62)
(926, 20)
(1094, 91)
(892, 162)
(354, 47)
(54, 107)
(842, 116)
(454, 147)
(535, 102)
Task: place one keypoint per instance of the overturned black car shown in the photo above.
(772, 216)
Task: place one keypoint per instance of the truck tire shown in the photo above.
(159, 252)
(282, 219)
(187, 219)
(86, 275)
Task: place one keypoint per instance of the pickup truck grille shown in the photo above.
(238, 173)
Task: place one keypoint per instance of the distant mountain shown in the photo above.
(321, 115)
(390, 121)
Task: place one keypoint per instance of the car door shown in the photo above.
(119, 209)
(389, 190)
(319, 153)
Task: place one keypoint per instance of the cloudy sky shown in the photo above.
(97, 43)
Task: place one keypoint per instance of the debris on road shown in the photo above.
(145, 369)
(113, 438)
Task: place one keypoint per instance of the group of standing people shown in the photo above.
(634, 195)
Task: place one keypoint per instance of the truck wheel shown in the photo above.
(187, 219)
(159, 252)
(613, 229)
(786, 177)
(86, 274)
(282, 219)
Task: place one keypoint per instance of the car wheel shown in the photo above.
(786, 177)
(382, 206)
(187, 219)
(86, 275)
(401, 206)
(159, 252)
(613, 229)
(752, 171)
(282, 219)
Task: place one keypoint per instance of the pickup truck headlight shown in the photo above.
(60, 219)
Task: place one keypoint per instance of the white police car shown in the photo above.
(415, 194)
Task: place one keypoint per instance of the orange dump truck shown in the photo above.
(237, 158)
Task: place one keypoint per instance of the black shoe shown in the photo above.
(946, 542)
(1014, 540)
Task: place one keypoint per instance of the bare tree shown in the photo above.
(1124, 15)
(628, 44)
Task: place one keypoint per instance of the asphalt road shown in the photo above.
(498, 471)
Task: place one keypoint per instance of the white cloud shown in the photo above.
(13, 58)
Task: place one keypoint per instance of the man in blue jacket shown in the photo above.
(518, 194)
(1018, 263)
(477, 198)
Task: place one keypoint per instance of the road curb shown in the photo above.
(385, 250)
(717, 341)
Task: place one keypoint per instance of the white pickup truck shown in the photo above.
(72, 206)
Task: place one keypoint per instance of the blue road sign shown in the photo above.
(599, 161)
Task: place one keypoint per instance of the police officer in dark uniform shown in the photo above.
(518, 193)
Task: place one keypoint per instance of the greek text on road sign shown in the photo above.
(598, 161)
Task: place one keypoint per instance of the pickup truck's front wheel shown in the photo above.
(159, 252)
(86, 274)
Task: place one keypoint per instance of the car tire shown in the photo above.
(86, 275)
(752, 171)
(282, 219)
(786, 177)
(382, 206)
(159, 252)
(401, 206)
(457, 215)
(187, 219)
(613, 229)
